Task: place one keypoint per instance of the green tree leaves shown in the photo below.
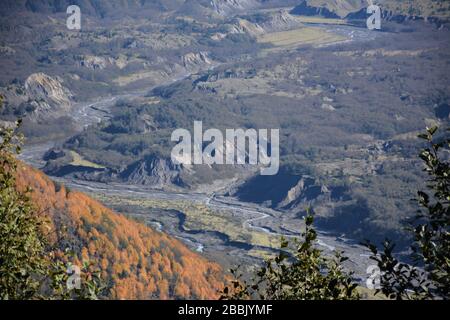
(29, 267)
(305, 274)
(429, 276)
(21, 258)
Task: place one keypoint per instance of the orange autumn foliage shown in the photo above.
(136, 262)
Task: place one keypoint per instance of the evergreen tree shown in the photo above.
(29, 267)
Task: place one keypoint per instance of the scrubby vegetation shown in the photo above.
(307, 274)
(134, 261)
(46, 228)
(429, 276)
(364, 142)
(348, 114)
(31, 267)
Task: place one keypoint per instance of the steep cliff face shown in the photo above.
(194, 62)
(225, 7)
(280, 20)
(154, 171)
(49, 95)
(40, 97)
(290, 192)
(136, 262)
(260, 24)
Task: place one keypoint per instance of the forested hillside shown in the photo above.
(136, 262)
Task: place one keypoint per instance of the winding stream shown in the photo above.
(92, 113)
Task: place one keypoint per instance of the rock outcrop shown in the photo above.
(279, 21)
(226, 7)
(40, 97)
(48, 94)
(154, 171)
(262, 23)
(194, 62)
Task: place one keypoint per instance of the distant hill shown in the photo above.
(100, 8)
(391, 8)
(328, 8)
(420, 8)
(111, 7)
(136, 261)
(341, 8)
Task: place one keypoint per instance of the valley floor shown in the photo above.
(221, 227)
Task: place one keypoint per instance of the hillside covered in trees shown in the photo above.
(136, 262)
